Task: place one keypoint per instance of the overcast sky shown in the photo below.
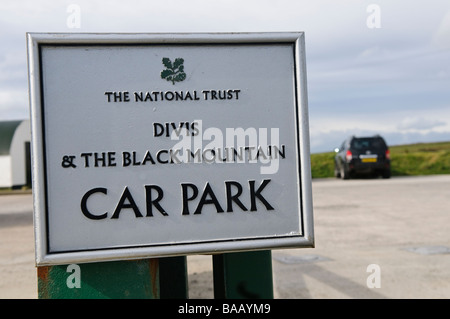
(373, 67)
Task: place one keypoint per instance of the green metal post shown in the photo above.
(135, 279)
(245, 275)
(173, 278)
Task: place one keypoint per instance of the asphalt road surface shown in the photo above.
(375, 238)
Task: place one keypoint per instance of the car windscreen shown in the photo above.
(368, 144)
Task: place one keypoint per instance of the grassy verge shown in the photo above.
(322, 165)
(412, 159)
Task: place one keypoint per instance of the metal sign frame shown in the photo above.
(44, 256)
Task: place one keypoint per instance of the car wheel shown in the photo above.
(386, 173)
(344, 173)
(337, 173)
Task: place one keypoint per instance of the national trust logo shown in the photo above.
(174, 71)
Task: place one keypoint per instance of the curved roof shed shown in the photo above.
(15, 162)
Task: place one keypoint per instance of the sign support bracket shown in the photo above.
(243, 275)
(173, 278)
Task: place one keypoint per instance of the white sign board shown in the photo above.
(148, 145)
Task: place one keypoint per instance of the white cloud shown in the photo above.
(11, 66)
(14, 104)
(419, 123)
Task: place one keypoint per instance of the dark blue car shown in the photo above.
(362, 155)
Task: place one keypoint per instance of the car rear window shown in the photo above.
(368, 143)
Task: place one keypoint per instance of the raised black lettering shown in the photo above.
(158, 129)
(138, 96)
(222, 95)
(195, 130)
(184, 191)
(167, 130)
(257, 194)
(188, 96)
(234, 198)
(177, 130)
(154, 202)
(108, 94)
(212, 200)
(135, 162)
(84, 208)
(205, 94)
(99, 159)
(86, 158)
(148, 157)
(169, 95)
(112, 159)
(117, 96)
(126, 196)
(126, 159)
(158, 156)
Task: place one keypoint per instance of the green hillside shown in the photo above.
(412, 159)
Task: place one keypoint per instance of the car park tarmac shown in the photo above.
(374, 238)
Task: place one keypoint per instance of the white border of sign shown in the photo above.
(43, 257)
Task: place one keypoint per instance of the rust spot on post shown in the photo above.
(43, 284)
(42, 272)
(154, 273)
